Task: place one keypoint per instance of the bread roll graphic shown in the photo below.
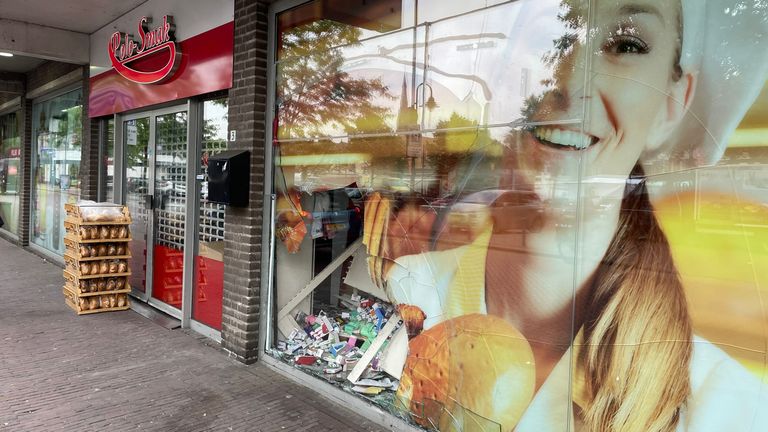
(469, 373)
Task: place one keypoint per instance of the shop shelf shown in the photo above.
(72, 266)
(76, 238)
(79, 222)
(75, 308)
(74, 292)
(74, 279)
(73, 259)
(75, 230)
(67, 272)
(75, 254)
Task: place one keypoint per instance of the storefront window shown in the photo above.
(209, 271)
(489, 214)
(57, 143)
(10, 182)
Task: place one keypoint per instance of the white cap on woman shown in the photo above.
(725, 46)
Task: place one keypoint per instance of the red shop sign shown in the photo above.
(158, 42)
(14, 152)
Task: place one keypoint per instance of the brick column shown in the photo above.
(89, 158)
(242, 244)
(25, 172)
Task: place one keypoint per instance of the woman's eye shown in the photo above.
(625, 44)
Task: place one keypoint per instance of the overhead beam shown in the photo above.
(70, 78)
(13, 103)
(50, 43)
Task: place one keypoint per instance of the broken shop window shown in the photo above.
(354, 331)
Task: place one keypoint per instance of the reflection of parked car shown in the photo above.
(510, 210)
(354, 194)
(137, 185)
(170, 188)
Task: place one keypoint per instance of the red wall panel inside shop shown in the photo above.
(206, 66)
(208, 292)
(168, 277)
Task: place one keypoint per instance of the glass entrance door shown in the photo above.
(208, 287)
(170, 202)
(155, 154)
(137, 179)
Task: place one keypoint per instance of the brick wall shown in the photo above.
(242, 245)
(48, 72)
(89, 160)
(11, 86)
(26, 163)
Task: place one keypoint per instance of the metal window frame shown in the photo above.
(170, 310)
(209, 332)
(195, 143)
(194, 109)
(120, 149)
(192, 215)
(267, 319)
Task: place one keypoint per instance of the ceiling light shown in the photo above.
(5, 54)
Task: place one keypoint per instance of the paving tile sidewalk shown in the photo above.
(119, 371)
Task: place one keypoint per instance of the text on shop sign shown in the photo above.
(159, 41)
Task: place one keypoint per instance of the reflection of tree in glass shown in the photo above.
(70, 120)
(211, 130)
(314, 93)
(214, 138)
(574, 21)
(171, 128)
(559, 60)
(457, 140)
(136, 155)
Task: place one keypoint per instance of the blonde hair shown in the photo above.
(637, 330)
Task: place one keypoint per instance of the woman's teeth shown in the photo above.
(561, 137)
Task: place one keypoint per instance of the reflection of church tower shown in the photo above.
(406, 115)
(470, 108)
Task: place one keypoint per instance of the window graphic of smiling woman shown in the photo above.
(518, 332)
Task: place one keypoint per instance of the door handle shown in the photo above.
(148, 202)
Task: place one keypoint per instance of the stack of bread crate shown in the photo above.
(96, 258)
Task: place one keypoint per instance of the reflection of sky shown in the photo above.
(482, 65)
(217, 115)
(487, 49)
(434, 10)
(528, 29)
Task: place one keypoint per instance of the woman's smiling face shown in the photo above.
(632, 99)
